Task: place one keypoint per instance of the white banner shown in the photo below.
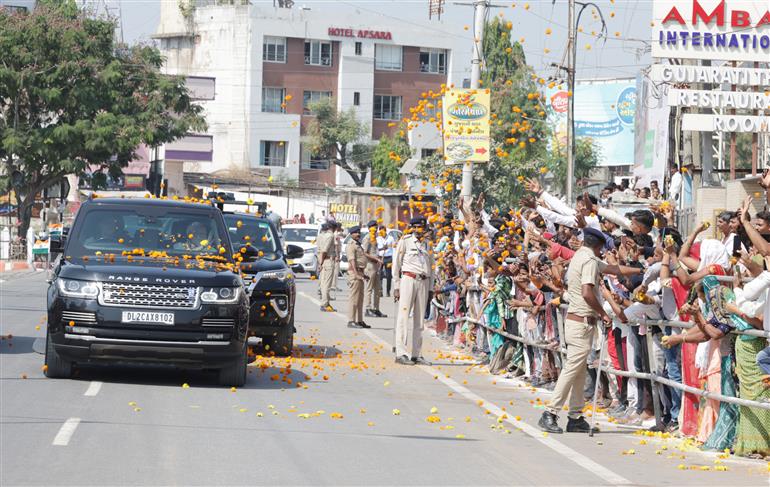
(725, 123)
(732, 30)
(740, 100)
(670, 73)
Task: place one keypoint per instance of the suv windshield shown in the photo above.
(300, 234)
(251, 230)
(113, 231)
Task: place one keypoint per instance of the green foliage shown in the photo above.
(388, 156)
(75, 102)
(331, 132)
(587, 155)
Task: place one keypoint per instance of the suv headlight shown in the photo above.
(281, 275)
(220, 295)
(311, 250)
(73, 288)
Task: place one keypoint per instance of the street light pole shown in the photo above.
(571, 58)
(479, 18)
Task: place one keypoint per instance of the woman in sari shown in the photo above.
(715, 320)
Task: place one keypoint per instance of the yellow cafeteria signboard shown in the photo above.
(466, 125)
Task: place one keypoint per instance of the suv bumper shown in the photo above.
(212, 336)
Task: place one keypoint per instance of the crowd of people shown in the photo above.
(605, 276)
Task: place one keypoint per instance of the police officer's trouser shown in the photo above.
(356, 299)
(325, 280)
(413, 296)
(373, 289)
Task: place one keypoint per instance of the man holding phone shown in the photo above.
(585, 309)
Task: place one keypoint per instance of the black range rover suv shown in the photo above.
(148, 280)
(269, 280)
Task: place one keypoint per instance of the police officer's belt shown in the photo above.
(413, 275)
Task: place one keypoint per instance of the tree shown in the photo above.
(388, 156)
(74, 102)
(519, 131)
(337, 135)
(587, 155)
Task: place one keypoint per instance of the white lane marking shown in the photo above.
(65, 432)
(581, 460)
(93, 388)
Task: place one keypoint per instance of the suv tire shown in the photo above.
(235, 375)
(55, 366)
(283, 341)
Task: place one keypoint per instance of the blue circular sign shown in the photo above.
(626, 105)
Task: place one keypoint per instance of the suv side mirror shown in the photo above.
(294, 252)
(56, 243)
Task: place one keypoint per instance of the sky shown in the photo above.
(621, 55)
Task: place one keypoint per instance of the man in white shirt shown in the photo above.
(385, 245)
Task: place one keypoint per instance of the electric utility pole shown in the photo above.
(479, 20)
(571, 65)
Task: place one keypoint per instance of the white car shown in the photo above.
(344, 260)
(305, 236)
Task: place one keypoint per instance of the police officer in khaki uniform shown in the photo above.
(413, 276)
(373, 269)
(326, 256)
(356, 265)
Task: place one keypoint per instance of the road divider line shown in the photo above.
(65, 432)
(93, 388)
(579, 459)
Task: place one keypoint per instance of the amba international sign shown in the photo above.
(730, 30)
(466, 125)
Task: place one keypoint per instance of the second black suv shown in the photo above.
(268, 278)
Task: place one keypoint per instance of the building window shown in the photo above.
(387, 107)
(272, 153)
(433, 60)
(201, 88)
(425, 153)
(356, 98)
(272, 100)
(308, 160)
(311, 97)
(359, 48)
(388, 58)
(318, 53)
(274, 49)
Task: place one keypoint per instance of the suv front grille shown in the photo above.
(78, 317)
(148, 295)
(218, 322)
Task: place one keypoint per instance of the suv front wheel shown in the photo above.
(235, 375)
(283, 341)
(55, 366)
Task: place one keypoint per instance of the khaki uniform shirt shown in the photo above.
(369, 244)
(584, 268)
(356, 256)
(325, 243)
(412, 256)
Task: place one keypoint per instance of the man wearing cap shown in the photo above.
(585, 309)
(413, 280)
(374, 281)
(326, 258)
(356, 277)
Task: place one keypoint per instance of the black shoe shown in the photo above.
(579, 425)
(379, 314)
(421, 361)
(404, 360)
(370, 314)
(361, 324)
(548, 423)
(353, 324)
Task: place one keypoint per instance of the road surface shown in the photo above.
(339, 412)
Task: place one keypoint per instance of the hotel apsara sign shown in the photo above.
(360, 33)
(731, 30)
